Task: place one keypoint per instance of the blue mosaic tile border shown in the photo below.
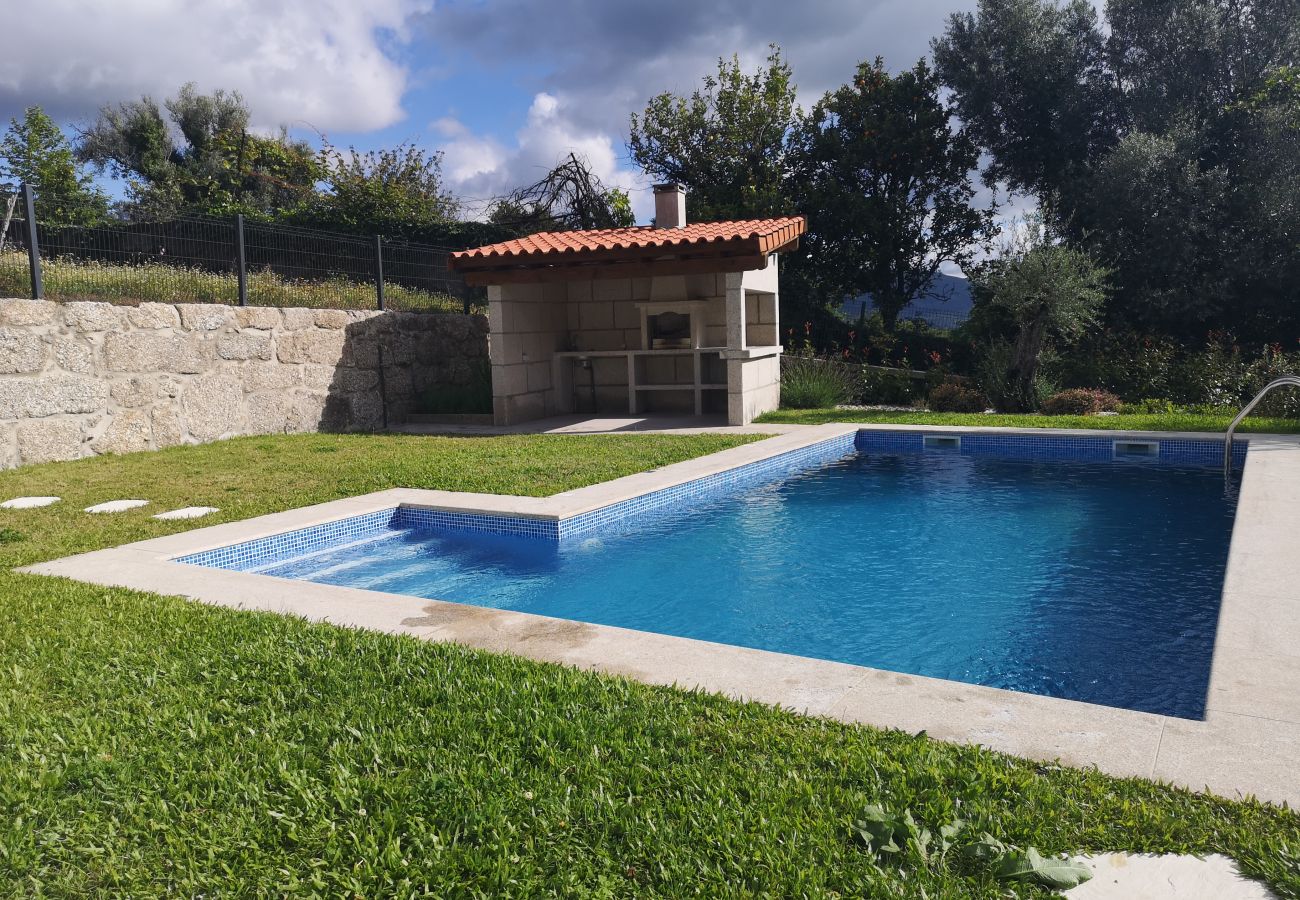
(280, 547)
(630, 513)
(1178, 452)
(261, 552)
(414, 518)
(633, 512)
(1202, 453)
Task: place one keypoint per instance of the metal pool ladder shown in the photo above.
(1292, 380)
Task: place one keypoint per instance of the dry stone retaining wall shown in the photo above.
(80, 379)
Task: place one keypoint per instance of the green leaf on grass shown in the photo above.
(987, 849)
(1057, 872)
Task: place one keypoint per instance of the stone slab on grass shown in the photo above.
(113, 506)
(28, 502)
(189, 512)
(1124, 876)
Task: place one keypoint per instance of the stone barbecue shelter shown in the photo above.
(673, 318)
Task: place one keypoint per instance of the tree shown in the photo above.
(727, 144)
(1030, 83)
(1185, 63)
(569, 196)
(199, 157)
(889, 180)
(397, 192)
(35, 151)
(1046, 291)
(1163, 144)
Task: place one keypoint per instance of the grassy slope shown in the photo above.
(153, 746)
(1125, 422)
(69, 279)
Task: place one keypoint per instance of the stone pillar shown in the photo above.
(735, 305)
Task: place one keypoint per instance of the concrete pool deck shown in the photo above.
(656, 423)
(1248, 744)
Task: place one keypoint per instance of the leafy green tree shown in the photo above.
(727, 143)
(1165, 143)
(35, 151)
(1197, 210)
(198, 156)
(1045, 291)
(1030, 83)
(889, 181)
(1186, 63)
(397, 192)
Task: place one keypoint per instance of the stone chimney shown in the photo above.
(670, 206)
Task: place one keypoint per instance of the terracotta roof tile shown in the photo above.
(758, 235)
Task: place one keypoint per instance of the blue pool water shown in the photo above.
(1088, 581)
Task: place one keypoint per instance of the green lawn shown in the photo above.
(1122, 422)
(151, 746)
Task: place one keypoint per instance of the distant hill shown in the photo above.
(946, 303)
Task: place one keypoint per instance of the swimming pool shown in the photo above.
(1084, 570)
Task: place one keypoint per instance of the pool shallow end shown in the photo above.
(1249, 743)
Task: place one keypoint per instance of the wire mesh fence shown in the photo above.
(87, 253)
(941, 320)
(15, 277)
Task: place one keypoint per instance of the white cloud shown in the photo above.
(480, 168)
(603, 61)
(325, 63)
(467, 156)
(607, 59)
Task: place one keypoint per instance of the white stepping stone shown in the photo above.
(189, 512)
(113, 506)
(28, 502)
(1141, 876)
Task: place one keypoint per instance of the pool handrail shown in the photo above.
(1281, 381)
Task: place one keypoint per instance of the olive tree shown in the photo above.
(1046, 291)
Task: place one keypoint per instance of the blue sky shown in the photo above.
(504, 88)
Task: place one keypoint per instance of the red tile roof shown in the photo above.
(754, 236)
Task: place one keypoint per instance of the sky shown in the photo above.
(504, 88)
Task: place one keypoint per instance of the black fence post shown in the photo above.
(33, 248)
(243, 263)
(379, 270)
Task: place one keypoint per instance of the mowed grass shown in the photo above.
(151, 746)
(251, 476)
(1120, 422)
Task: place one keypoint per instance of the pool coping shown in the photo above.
(1248, 744)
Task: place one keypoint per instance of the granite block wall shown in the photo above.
(81, 379)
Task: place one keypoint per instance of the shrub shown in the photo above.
(808, 382)
(1220, 374)
(952, 396)
(1150, 406)
(1271, 363)
(1131, 365)
(1080, 402)
(891, 388)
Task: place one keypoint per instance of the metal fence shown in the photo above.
(940, 320)
(57, 249)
